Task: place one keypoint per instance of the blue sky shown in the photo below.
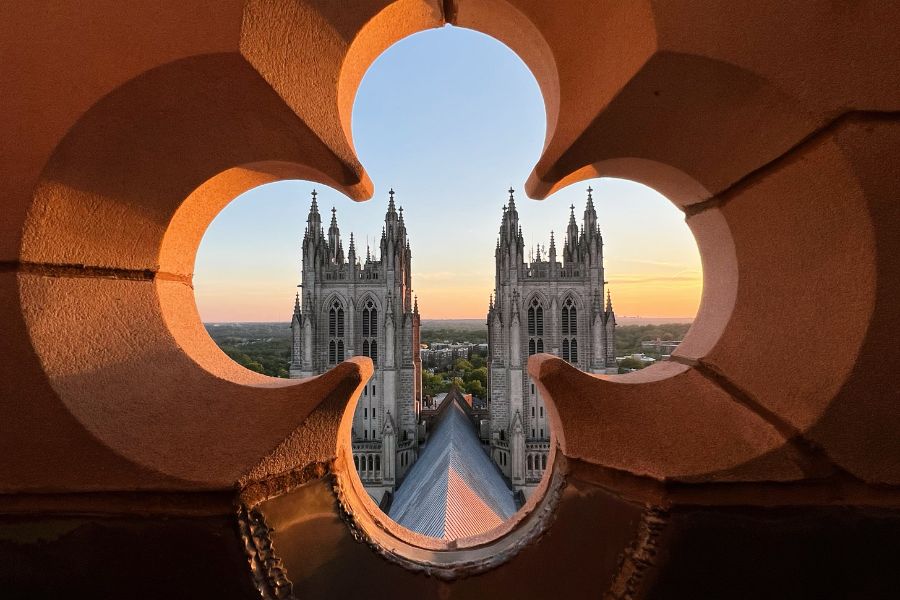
(450, 118)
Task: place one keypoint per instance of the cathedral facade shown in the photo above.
(350, 306)
(552, 304)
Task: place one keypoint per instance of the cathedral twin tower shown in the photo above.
(350, 307)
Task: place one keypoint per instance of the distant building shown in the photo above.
(661, 347)
(550, 306)
(443, 354)
(348, 308)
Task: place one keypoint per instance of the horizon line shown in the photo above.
(446, 319)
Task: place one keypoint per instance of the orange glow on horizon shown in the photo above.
(645, 295)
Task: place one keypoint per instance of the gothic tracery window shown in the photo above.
(336, 333)
(370, 330)
(569, 331)
(535, 327)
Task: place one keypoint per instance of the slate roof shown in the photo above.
(454, 489)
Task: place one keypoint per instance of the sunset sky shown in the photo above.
(450, 119)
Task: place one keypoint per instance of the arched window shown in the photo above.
(539, 318)
(530, 463)
(543, 461)
(535, 327)
(356, 462)
(370, 462)
(377, 463)
(569, 330)
(336, 333)
(370, 329)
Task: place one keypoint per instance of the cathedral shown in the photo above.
(545, 305)
(348, 307)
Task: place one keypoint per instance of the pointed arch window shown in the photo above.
(370, 329)
(569, 330)
(535, 327)
(336, 332)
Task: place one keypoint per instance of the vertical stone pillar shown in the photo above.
(517, 451)
(388, 451)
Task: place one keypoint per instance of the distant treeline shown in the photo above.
(629, 337)
(266, 347)
(447, 334)
(261, 347)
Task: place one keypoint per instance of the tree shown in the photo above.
(479, 374)
(461, 364)
(432, 383)
(475, 388)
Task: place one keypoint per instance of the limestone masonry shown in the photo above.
(545, 306)
(349, 309)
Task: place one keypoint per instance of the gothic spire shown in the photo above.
(415, 305)
(570, 247)
(608, 302)
(391, 214)
(335, 248)
(590, 215)
(313, 220)
(297, 312)
(510, 221)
